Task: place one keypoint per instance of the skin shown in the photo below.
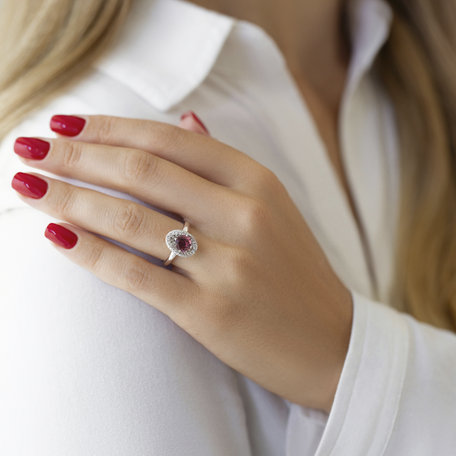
(300, 28)
(281, 317)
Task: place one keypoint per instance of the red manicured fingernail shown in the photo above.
(61, 236)
(29, 185)
(67, 125)
(196, 118)
(33, 148)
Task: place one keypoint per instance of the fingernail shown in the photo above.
(29, 185)
(67, 125)
(196, 118)
(33, 148)
(61, 236)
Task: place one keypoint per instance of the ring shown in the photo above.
(181, 243)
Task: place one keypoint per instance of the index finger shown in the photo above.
(198, 153)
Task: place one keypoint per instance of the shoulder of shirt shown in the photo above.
(167, 48)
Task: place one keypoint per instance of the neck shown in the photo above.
(310, 34)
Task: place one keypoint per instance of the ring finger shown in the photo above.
(125, 221)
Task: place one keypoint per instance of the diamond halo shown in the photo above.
(181, 243)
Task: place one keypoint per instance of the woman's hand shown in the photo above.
(258, 293)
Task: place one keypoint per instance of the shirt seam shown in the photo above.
(403, 372)
(395, 363)
(349, 403)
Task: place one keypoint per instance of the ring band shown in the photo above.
(181, 243)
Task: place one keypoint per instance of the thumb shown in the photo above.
(190, 121)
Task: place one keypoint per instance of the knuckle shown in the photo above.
(105, 129)
(94, 255)
(265, 179)
(72, 154)
(129, 219)
(253, 214)
(136, 277)
(66, 202)
(237, 262)
(169, 136)
(138, 166)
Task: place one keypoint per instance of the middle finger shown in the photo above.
(149, 178)
(125, 221)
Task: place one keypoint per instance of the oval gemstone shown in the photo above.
(183, 243)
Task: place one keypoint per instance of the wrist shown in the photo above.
(345, 325)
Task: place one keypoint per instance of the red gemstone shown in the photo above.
(183, 243)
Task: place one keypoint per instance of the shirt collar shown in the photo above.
(167, 47)
(369, 27)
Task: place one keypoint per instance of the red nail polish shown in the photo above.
(29, 185)
(33, 148)
(61, 236)
(67, 125)
(196, 118)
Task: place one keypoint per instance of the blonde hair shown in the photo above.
(55, 41)
(418, 66)
(46, 45)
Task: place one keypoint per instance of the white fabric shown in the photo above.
(88, 369)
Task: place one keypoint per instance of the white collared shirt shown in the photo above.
(90, 369)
